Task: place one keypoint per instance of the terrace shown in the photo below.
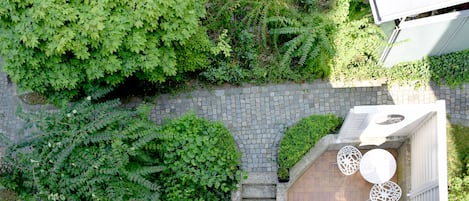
(417, 142)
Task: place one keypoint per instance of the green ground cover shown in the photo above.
(458, 162)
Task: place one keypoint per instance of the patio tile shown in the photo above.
(323, 181)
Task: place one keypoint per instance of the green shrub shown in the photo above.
(358, 42)
(85, 151)
(302, 136)
(225, 73)
(458, 162)
(202, 160)
(67, 48)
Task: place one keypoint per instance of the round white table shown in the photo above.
(377, 166)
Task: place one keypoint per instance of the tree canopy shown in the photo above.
(73, 47)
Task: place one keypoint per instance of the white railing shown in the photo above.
(424, 193)
(424, 162)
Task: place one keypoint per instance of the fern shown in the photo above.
(143, 171)
(310, 42)
(260, 12)
(101, 137)
(82, 149)
(137, 178)
(145, 140)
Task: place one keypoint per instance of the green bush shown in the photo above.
(225, 73)
(458, 162)
(357, 43)
(302, 136)
(202, 160)
(68, 48)
(85, 151)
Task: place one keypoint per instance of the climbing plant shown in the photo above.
(66, 48)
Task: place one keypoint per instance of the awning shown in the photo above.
(388, 10)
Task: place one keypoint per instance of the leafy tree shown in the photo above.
(85, 151)
(66, 48)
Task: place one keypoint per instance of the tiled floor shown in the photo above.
(323, 181)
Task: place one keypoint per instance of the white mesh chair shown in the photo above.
(387, 191)
(348, 159)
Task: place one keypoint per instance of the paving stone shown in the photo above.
(254, 112)
(257, 116)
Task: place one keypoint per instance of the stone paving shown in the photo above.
(258, 115)
(9, 123)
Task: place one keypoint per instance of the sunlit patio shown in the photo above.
(323, 181)
(410, 133)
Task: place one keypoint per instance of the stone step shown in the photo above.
(259, 191)
(258, 199)
(261, 178)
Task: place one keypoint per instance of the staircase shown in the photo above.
(260, 186)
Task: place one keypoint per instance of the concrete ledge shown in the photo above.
(282, 191)
(261, 178)
(259, 191)
(358, 83)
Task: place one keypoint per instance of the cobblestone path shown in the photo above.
(258, 115)
(9, 123)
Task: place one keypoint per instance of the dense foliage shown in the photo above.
(299, 138)
(102, 151)
(84, 152)
(458, 162)
(449, 69)
(357, 42)
(303, 40)
(63, 49)
(272, 40)
(202, 159)
(66, 48)
(295, 40)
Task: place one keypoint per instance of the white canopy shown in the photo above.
(388, 10)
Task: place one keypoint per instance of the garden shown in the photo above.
(99, 150)
(81, 55)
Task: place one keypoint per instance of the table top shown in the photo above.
(377, 166)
